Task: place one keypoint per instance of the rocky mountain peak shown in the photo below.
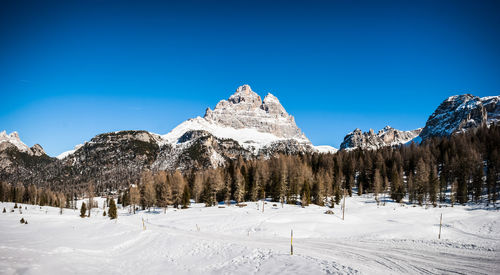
(245, 96)
(246, 110)
(456, 114)
(37, 150)
(272, 105)
(387, 136)
(13, 138)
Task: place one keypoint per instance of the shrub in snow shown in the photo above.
(329, 212)
(22, 220)
(15, 206)
(104, 213)
(4, 211)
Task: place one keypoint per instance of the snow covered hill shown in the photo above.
(390, 239)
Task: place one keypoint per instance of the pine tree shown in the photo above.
(397, 188)
(421, 180)
(112, 209)
(83, 210)
(186, 196)
(433, 185)
(377, 184)
(91, 197)
(306, 194)
(134, 196)
(477, 182)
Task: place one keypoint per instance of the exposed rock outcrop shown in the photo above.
(388, 136)
(461, 113)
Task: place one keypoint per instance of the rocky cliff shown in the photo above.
(461, 113)
(371, 140)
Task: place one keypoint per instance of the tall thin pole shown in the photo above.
(291, 242)
(440, 224)
(343, 206)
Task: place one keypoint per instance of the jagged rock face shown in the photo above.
(198, 149)
(492, 106)
(14, 140)
(371, 140)
(25, 166)
(461, 113)
(287, 147)
(37, 150)
(245, 109)
(244, 125)
(119, 157)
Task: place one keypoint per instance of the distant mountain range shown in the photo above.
(243, 126)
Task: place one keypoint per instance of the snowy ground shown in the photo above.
(390, 239)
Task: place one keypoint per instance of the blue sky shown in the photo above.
(72, 69)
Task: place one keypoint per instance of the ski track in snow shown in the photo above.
(392, 239)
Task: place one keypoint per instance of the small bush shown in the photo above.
(329, 212)
(4, 211)
(15, 206)
(104, 214)
(26, 222)
(22, 220)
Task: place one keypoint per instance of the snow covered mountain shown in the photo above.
(461, 113)
(13, 140)
(388, 136)
(457, 114)
(245, 118)
(244, 125)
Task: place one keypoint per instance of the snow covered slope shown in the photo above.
(70, 152)
(390, 239)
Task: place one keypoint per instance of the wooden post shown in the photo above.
(440, 224)
(343, 206)
(291, 242)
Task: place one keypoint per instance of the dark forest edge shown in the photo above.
(463, 168)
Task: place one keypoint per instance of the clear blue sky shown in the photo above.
(72, 69)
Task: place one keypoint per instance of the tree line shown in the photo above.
(458, 169)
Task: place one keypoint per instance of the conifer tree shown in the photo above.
(433, 185)
(421, 180)
(377, 184)
(306, 194)
(112, 209)
(477, 182)
(83, 210)
(91, 197)
(134, 196)
(186, 196)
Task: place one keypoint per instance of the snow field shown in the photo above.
(390, 239)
